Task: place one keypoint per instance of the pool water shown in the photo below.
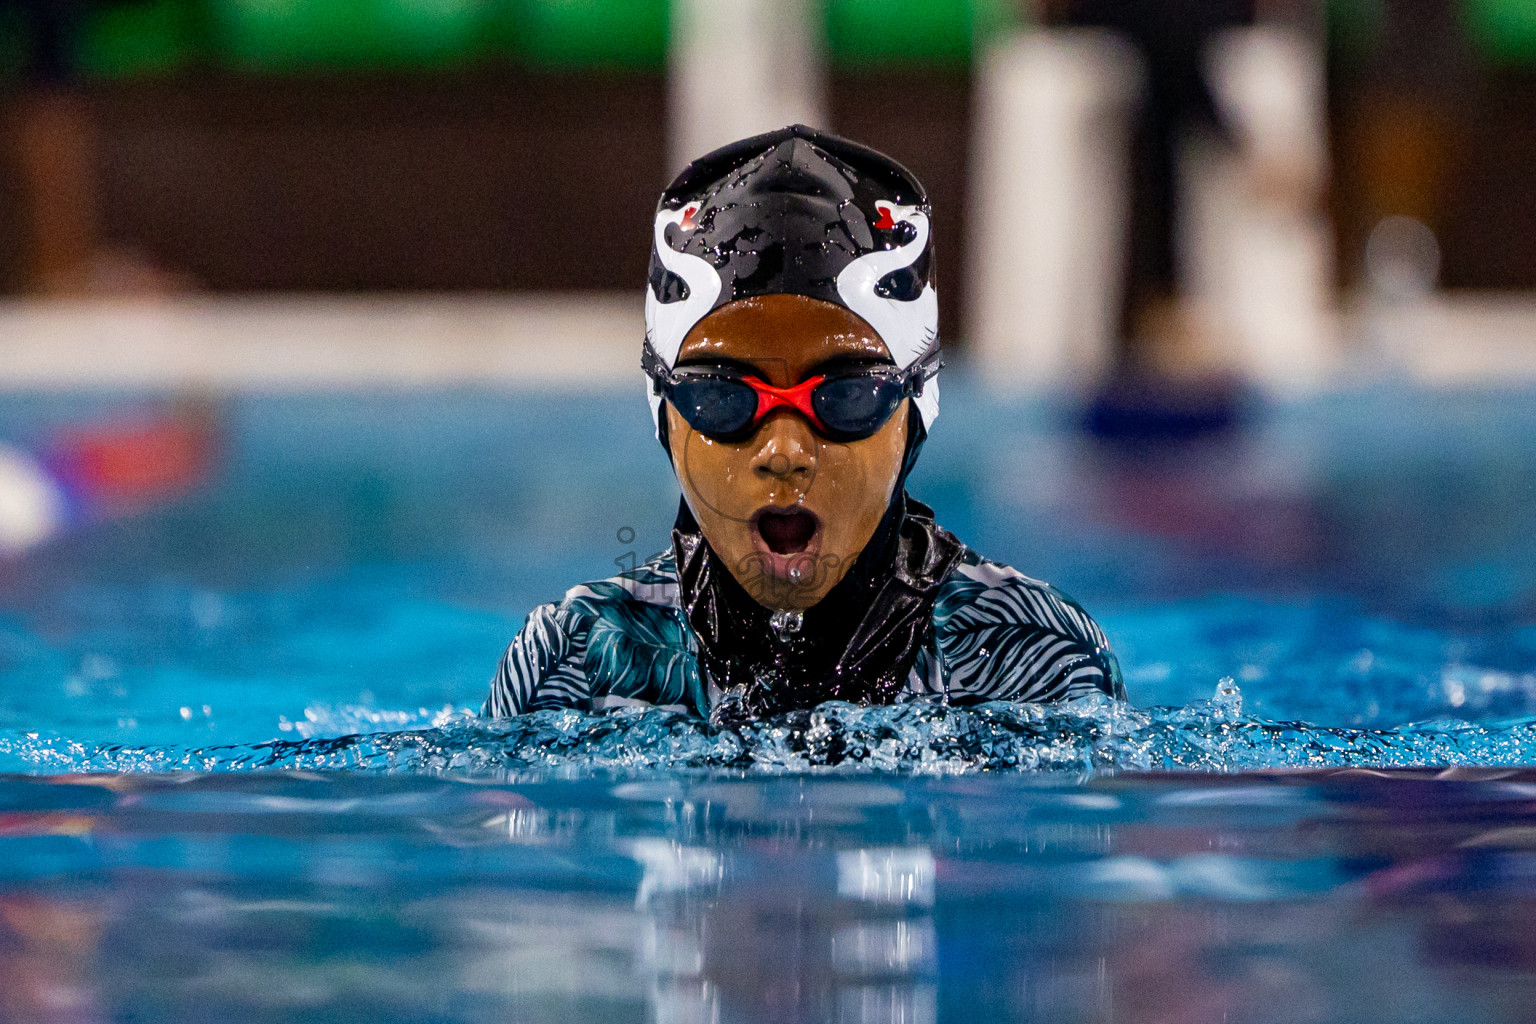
(1346, 584)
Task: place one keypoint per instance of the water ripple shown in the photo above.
(1093, 735)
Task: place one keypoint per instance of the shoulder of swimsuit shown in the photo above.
(1002, 635)
(620, 641)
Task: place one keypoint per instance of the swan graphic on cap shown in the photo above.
(801, 212)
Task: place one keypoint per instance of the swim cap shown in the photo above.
(797, 212)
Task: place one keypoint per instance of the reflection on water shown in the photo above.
(788, 934)
(47, 959)
(1352, 896)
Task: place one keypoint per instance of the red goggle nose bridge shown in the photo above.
(798, 398)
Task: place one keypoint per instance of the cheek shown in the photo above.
(856, 483)
(710, 473)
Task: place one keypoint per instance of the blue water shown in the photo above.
(1346, 584)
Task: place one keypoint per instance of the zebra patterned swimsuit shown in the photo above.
(626, 641)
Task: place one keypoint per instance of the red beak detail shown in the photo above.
(885, 223)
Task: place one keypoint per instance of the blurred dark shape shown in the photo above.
(480, 179)
(1431, 104)
(1488, 231)
(1400, 75)
(1132, 407)
(49, 30)
(372, 144)
(1156, 390)
(1173, 37)
(53, 143)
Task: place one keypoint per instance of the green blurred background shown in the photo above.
(167, 36)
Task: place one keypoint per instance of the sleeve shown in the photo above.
(542, 667)
(1023, 640)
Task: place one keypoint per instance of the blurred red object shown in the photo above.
(138, 460)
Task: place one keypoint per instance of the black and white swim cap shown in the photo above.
(799, 212)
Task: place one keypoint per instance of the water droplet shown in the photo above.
(1228, 699)
(786, 623)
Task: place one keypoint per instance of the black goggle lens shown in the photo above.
(715, 406)
(854, 407)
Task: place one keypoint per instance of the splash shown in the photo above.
(1094, 735)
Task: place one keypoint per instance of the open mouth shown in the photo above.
(786, 531)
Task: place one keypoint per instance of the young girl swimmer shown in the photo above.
(792, 344)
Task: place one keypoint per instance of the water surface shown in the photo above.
(1346, 585)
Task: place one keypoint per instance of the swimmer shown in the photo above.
(791, 351)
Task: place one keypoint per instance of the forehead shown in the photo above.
(787, 333)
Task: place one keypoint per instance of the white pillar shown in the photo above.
(1257, 252)
(740, 67)
(1049, 205)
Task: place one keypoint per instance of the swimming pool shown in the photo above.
(1347, 583)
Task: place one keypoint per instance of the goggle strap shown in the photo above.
(922, 371)
(652, 366)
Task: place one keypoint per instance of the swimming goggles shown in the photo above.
(843, 405)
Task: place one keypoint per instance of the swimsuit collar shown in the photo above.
(858, 644)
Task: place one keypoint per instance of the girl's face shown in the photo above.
(787, 510)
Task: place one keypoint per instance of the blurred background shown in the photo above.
(1161, 186)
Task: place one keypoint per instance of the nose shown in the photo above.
(786, 448)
